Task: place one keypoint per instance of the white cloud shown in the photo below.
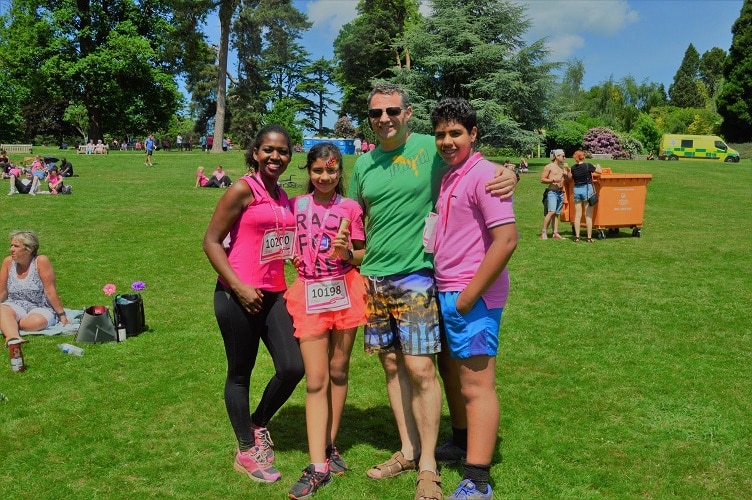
(566, 23)
(562, 46)
(328, 16)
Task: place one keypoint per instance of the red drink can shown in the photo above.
(16, 355)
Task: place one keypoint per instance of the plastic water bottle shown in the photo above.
(71, 349)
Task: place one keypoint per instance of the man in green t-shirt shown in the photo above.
(397, 184)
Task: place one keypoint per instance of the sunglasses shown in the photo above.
(390, 111)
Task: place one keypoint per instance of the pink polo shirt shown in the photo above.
(466, 212)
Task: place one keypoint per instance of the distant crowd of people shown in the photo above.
(41, 173)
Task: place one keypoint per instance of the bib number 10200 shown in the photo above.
(277, 245)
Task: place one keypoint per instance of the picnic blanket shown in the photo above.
(74, 316)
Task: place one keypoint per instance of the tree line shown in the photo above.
(109, 68)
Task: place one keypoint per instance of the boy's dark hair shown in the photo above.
(325, 150)
(250, 161)
(454, 109)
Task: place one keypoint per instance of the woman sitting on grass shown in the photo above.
(203, 181)
(55, 181)
(27, 289)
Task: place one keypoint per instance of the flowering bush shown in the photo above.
(630, 145)
(137, 286)
(343, 127)
(601, 140)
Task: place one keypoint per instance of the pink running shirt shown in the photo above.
(263, 214)
(317, 226)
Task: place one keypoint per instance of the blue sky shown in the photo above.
(645, 39)
(642, 38)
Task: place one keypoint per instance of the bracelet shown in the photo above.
(59, 314)
(350, 256)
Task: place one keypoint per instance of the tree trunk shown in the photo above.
(95, 119)
(226, 10)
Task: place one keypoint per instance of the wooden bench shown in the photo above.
(602, 156)
(104, 151)
(17, 148)
(639, 157)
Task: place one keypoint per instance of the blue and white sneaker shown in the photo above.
(467, 491)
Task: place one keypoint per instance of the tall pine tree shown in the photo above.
(735, 100)
(684, 92)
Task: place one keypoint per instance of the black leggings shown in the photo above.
(241, 332)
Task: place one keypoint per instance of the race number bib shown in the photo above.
(277, 245)
(326, 295)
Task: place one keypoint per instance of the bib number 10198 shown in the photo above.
(326, 295)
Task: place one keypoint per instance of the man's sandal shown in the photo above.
(393, 467)
(428, 486)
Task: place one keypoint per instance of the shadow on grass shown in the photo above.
(374, 427)
(371, 426)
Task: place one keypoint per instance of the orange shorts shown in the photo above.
(316, 324)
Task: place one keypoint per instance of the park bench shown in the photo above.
(639, 157)
(16, 148)
(602, 156)
(82, 150)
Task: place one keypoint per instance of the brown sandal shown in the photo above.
(428, 486)
(393, 467)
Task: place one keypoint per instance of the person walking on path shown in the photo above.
(149, 145)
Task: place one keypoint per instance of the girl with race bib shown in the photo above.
(327, 303)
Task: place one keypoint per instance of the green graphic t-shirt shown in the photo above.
(397, 189)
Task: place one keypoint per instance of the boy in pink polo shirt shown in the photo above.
(475, 236)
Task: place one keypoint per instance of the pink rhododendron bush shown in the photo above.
(602, 140)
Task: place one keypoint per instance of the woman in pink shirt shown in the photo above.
(253, 217)
(55, 181)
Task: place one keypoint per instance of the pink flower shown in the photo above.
(109, 289)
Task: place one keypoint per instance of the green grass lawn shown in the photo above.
(624, 368)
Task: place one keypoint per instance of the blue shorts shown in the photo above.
(582, 193)
(473, 334)
(555, 201)
(402, 314)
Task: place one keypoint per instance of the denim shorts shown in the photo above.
(403, 314)
(554, 201)
(473, 334)
(582, 193)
